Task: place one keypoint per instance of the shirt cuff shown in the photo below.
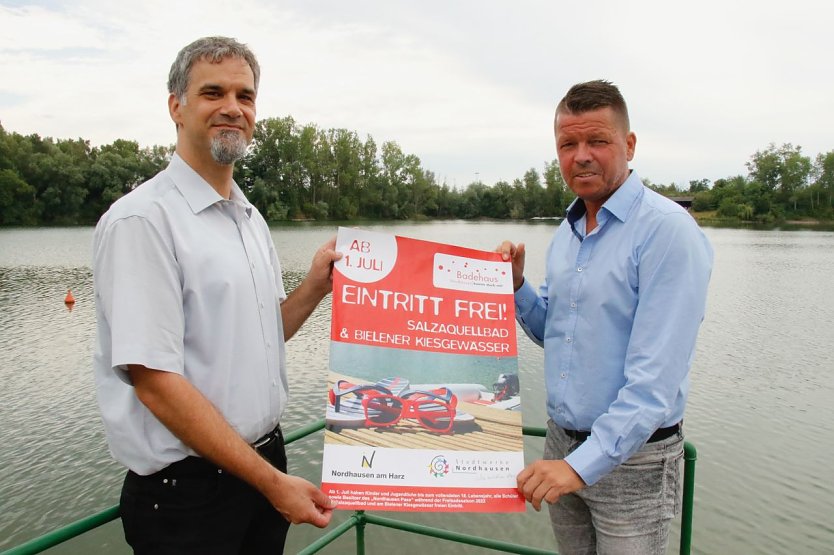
(590, 462)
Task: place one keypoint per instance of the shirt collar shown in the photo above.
(625, 197)
(198, 193)
(618, 204)
(239, 198)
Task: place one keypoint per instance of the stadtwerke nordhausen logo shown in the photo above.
(439, 466)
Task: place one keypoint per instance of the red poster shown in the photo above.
(423, 410)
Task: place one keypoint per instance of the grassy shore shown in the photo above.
(711, 217)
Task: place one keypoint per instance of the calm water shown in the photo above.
(761, 412)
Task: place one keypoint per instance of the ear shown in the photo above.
(174, 109)
(631, 144)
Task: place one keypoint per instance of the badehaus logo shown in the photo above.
(485, 467)
(470, 274)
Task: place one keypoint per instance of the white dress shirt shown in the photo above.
(186, 282)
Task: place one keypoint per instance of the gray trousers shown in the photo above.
(627, 512)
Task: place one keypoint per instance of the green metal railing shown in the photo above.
(360, 519)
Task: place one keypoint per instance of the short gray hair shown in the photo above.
(214, 50)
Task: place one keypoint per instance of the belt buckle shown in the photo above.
(265, 440)
(577, 435)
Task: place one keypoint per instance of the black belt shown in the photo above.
(660, 433)
(267, 439)
(197, 466)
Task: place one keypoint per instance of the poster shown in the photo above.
(423, 410)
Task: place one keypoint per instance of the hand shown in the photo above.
(320, 275)
(515, 254)
(548, 481)
(299, 501)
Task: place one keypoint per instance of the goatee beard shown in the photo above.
(227, 147)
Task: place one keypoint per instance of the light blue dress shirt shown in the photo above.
(618, 316)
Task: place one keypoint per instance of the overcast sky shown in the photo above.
(468, 86)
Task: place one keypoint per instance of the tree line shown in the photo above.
(781, 184)
(67, 182)
(295, 171)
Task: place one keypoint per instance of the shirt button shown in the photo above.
(568, 340)
(573, 305)
(579, 269)
(564, 375)
(559, 410)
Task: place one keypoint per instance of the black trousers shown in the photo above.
(192, 506)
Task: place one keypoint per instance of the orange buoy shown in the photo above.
(69, 299)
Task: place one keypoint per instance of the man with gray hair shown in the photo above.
(192, 318)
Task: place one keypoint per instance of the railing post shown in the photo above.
(360, 532)
(690, 455)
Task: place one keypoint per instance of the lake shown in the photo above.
(761, 409)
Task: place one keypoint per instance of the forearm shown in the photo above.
(196, 422)
(298, 306)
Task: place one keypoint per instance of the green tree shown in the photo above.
(472, 200)
(58, 175)
(449, 202)
(698, 186)
(346, 166)
(556, 196)
(703, 202)
(758, 198)
(394, 181)
(783, 170)
(823, 172)
(274, 169)
(16, 200)
(116, 169)
(534, 194)
(267, 200)
(370, 183)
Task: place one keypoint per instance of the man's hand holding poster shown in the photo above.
(423, 410)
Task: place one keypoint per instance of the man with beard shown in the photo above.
(618, 314)
(192, 318)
